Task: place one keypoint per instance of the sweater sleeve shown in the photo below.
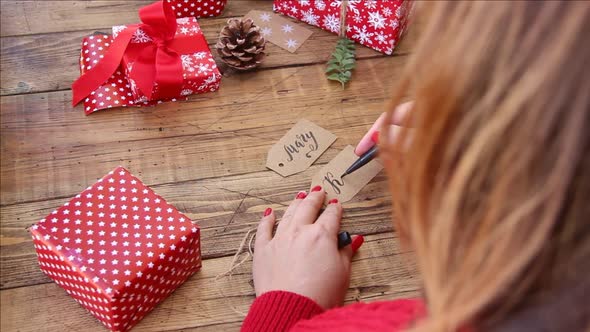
(279, 311)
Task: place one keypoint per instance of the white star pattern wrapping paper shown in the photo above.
(200, 72)
(378, 24)
(116, 91)
(197, 8)
(118, 249)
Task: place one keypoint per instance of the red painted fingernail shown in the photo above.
(375, 137)
(357, 242)
(333, 201)
(316, 188)
(267, 212)
(301, 195)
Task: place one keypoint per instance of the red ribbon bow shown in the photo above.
(156, 62)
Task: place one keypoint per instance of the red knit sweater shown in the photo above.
(286, 311)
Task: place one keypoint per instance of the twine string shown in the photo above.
(245, 247)
(343, 9)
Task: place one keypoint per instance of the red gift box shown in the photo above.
(200, 72)
(116, 91)
(197, 8)
(378, 24)
(118, 249)
(163, 58)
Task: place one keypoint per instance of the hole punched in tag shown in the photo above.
(281, 164)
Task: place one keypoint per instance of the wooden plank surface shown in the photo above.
(41, 17)
(27, 55)
(225, 208)
(206, 156)
(43, 138)
(199, 302)
(56, 54)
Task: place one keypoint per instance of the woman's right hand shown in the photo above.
(400, 116)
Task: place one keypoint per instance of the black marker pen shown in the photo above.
(362, 161)
(366, 157)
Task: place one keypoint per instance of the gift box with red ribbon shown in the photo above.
(378, 24)
(161, 59)
(118, 249)
(199, 71)
(116, 91)
(197, 8)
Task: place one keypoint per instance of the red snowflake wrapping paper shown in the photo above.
(118, 249)
(378, 24)
(200, 72)
(197, 8)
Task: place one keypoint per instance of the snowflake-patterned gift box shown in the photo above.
(200, 72)
(378, 24)
(118, 249)
(197, 8)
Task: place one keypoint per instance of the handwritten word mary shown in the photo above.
(299, 148)
(304, 143)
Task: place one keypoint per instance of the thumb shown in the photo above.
(349, 251)
(346, 253)
(357, 242)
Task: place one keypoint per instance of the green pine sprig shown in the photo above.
(342, 62)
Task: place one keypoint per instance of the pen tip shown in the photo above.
(343, 175)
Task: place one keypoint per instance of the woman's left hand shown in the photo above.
(303, 256)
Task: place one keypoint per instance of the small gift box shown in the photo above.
(197, 8)
(199, 71)
(118, 249)
(162, 59)
(116, 91)
(378, 24)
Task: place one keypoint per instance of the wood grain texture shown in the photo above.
(206, 156)
(224, 207)
(40, 17)
(199, 304)
(56, 55)
(53, 150)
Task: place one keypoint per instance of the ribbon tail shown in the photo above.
(144, 72)
(169, 74)
(101, 72)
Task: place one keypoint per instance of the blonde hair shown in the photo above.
(492, 190)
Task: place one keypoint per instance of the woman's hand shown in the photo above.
(303, 256)
(400, 116)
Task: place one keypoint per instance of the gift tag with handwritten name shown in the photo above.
(344, 189)
(299, 148)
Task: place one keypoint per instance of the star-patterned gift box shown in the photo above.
(378, 24)
(200, 72)
(116, 91)
(197, 8)
(118, 249)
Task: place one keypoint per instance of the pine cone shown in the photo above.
(240, 44)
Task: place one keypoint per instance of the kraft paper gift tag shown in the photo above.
(344, 189)
(279, 30)
(299, 148)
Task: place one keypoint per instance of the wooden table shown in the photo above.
(205, 156)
